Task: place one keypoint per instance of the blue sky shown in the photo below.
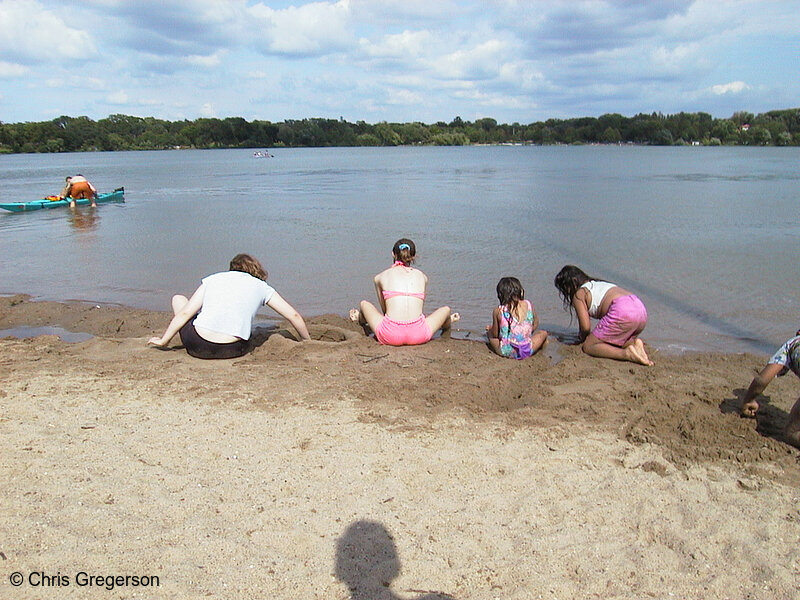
(395, 60)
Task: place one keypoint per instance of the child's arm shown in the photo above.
(757, 387)
(579, 303)
(535, 317)
(379, 292)
(183, 316)
(493, 331)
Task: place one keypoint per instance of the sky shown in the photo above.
(396, 60)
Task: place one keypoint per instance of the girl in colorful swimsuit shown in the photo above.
(513, 330)
(622, 316)
(401, 295)
(216, 321)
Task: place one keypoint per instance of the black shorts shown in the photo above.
(201, 348)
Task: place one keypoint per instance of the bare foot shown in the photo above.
(355, 314)
(636, 353)
(749, 409)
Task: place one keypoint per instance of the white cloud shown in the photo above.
(401, 45)
(29, 34)
(480, 62)
(674, 58)
(734, 87)
(208, 62)
(404, 97)
(118, 98)
(310, 29)
(12, 69)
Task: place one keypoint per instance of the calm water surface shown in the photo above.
(706, 236)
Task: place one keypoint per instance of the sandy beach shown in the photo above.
(342, 469)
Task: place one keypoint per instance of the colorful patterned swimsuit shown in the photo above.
(515, 336)
(788, 356)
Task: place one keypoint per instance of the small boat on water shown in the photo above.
(118, 195)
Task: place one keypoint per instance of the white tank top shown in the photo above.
(597, 290)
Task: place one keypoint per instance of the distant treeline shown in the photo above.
(122, 132)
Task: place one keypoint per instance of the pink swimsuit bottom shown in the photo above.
(403, 333)
(625, 319)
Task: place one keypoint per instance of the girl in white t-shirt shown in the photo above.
(216, 321)
(622, 316)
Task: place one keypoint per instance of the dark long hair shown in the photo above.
(405, 251)
(568, 281)
(510, 293)
(247, 264)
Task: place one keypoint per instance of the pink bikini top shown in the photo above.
(391, 294)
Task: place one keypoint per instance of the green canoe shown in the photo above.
(118, 195)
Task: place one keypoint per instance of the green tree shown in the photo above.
(611, 135)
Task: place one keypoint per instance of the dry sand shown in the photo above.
(342, 469)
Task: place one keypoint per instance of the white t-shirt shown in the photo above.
(230, 301)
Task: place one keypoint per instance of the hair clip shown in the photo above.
(404, 247)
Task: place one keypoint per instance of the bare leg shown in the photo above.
(793, 426)
(178, 302)
(633, 352)
(368, 315)
(441, 318)
(494, 344)
(538, 340)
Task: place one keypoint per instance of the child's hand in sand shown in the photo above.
(154, 341)
(749, 409)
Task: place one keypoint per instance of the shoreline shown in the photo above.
(557, 363)
(472, 475)
(557, 334)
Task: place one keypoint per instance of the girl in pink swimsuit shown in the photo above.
(622, 316)
(401, 295)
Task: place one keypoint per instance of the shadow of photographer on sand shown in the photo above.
(367, 562)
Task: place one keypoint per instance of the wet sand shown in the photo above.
(342, 469)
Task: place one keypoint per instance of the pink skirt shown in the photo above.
(403, 333)
(625, 319)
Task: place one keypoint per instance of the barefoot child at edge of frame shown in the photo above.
(786, 359)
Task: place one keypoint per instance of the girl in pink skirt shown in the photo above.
(622, 316)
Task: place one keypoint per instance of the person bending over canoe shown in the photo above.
(77, 187)
(401, 294)
(217, 320)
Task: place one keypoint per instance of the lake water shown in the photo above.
(705, 236)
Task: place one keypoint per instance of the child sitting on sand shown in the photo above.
(401, 293)
(513, 330)
(786, 359)
(622, 316)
